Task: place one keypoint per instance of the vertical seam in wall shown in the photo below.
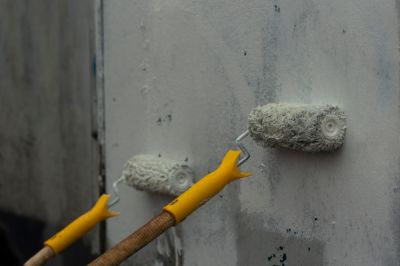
(100, 110)
(396, 213)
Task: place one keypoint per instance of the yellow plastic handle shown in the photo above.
(206, 188)
(81, 225)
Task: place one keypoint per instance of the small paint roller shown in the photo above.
(154, 174)
(144, 172)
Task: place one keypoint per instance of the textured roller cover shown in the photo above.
(302, 127)
(153, 174)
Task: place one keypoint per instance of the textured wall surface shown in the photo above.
(47, 153)
(180, 80)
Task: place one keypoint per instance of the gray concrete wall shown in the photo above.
(180, 80)
(48, 151)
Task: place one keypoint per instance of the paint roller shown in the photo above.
(143, 172)
(302, 127)
(308, 128)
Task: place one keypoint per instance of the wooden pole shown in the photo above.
(135, 241)
(41, 257)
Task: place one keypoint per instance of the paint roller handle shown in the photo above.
(72, 232)
(207, 187)
(135, 241)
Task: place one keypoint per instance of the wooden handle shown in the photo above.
(135, 241)
(41, 257)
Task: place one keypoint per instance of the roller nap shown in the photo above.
(153, 174)
(309, 128)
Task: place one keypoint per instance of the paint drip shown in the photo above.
(169, 249)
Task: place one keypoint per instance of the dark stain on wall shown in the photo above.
(268, 85)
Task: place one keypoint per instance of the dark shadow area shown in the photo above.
(20, 237)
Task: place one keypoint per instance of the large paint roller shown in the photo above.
(302, 127)
(309, 128)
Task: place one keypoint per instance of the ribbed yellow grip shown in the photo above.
(81, 225)
(206, 188)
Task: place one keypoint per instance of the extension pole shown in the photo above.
(41, 257)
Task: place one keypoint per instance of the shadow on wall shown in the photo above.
(21, 237)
